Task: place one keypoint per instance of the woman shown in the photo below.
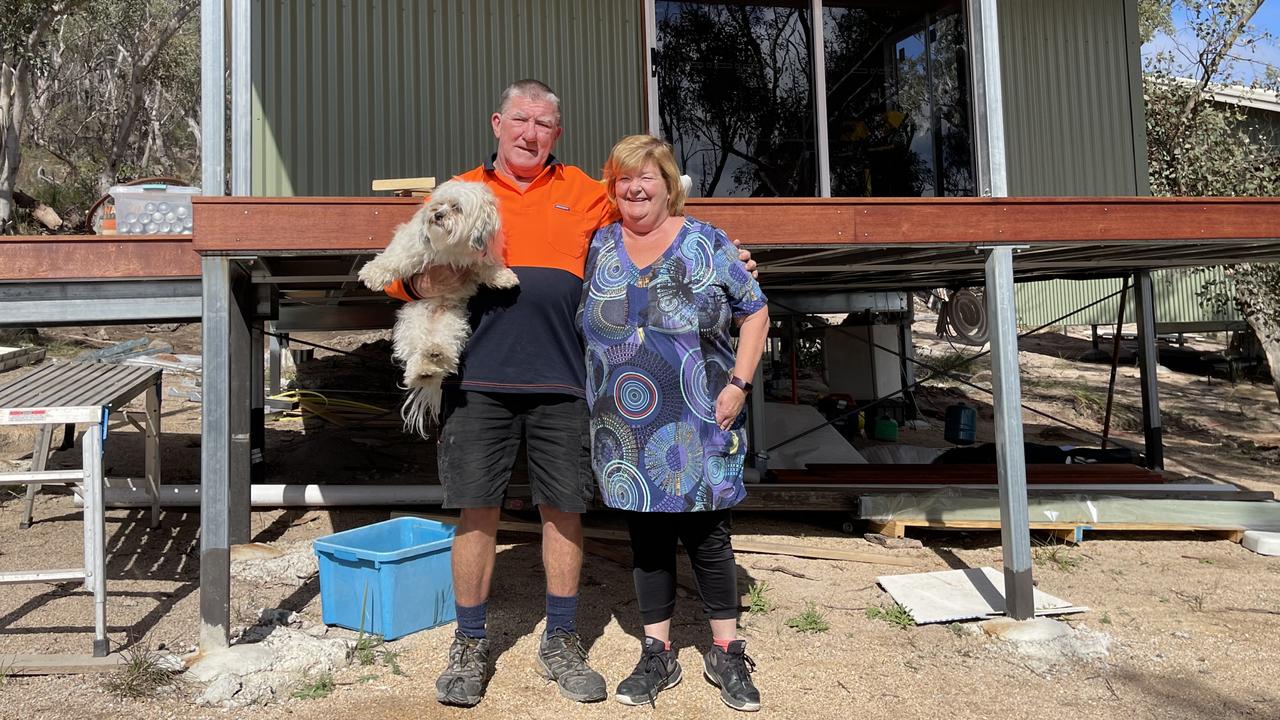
(666, 396)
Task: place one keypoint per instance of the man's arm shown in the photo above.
(435, 281)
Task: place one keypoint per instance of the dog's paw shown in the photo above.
(375, 275)
(502, 279)
(428, 367)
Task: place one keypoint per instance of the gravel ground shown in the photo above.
(1194, 621)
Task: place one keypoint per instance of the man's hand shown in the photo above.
(745, 256)
(437, 281)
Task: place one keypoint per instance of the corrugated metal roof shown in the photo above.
(347, 91)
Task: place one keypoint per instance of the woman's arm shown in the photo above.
(751, 339)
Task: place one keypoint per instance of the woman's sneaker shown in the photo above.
(657, 670)
(731, 672)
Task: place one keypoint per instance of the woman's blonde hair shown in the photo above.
(631, 153)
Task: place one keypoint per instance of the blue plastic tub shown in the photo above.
(391, 578)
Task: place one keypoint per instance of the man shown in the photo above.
(522, 377)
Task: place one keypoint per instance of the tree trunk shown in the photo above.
(10, 151)
(1269, 336)
(1254, 299)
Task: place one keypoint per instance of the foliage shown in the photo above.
(316, 688)
(1057, 556)
(758, 604)
(140, 676)
(894, 614)
(1196, 146)
(113, 94)
(809, 621)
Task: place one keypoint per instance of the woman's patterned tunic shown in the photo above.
(658, 354)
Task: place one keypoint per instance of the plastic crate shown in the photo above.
(391, 578)
(154, 209)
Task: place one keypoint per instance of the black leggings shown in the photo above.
(705, 536)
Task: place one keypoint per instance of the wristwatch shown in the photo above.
(739, 383)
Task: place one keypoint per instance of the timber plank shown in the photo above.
(59, 664)
(82, 257)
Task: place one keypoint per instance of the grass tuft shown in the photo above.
(895, 614)
(315, 688)
(141, 675)
(758, 603)
(1056, 555)
(809, 621)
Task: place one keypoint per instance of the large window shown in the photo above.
(735, 87)
(736, 96)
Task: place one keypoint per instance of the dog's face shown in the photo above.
(462, 216)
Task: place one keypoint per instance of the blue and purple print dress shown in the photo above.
(658, 354)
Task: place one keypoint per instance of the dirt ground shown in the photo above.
(1193, 621)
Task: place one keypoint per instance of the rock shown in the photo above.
(1035, 630)
(289, 568)
(254, 551)
(269, 663)
(892, 543)
(278, 616)
(220, 692)
(237, 660)
(170, 662)
(1045, 644)
(316, 631)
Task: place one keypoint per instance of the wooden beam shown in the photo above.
(83, 257)
(314, 224)
(230, 224)
(59, 664)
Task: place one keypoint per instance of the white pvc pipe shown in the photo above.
(130, 493)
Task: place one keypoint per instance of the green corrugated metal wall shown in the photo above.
(346, 91)
(1074, 126)
(1176, 294)
(1073, 97)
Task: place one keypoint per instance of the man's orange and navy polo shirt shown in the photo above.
(526, 340)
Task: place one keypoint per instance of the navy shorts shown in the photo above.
(480, 435)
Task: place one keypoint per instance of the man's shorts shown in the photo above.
(480, 434)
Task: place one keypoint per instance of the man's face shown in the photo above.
(526, 131)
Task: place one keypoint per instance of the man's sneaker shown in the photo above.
(463, 681)
(562, 658)
(731, 672)
(657, 670)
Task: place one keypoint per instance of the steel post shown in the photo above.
(1148, 361)
(224, 456)
(1015, 526)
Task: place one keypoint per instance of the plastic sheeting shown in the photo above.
(1077, 509)
(783, 421)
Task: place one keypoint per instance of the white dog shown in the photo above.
(458, 226)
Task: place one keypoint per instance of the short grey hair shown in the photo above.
(529, 89)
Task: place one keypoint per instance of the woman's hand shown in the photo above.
(729, 405)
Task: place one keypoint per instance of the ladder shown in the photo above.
(82, 394)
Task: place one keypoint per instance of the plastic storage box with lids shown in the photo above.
(153, 209)
(391, 578)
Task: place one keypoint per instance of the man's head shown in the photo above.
(527, 125)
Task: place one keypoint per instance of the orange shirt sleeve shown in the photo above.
(398, 290)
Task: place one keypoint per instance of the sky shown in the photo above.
(1251, 65)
